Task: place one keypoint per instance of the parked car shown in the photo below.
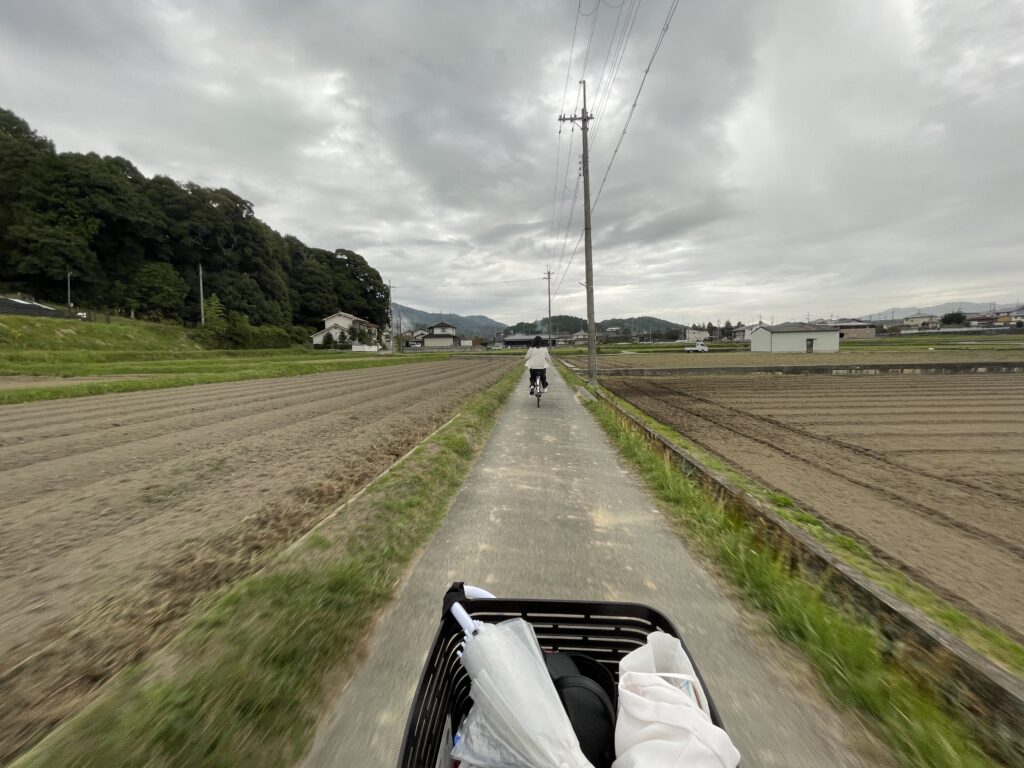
(700, 346)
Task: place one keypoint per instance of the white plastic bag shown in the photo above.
(517, 719)
(664, 720)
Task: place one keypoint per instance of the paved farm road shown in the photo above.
(550, 511)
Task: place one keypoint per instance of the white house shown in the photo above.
(742, 333)
(344, 322)
(441, 335)
(696, 334)
(795, 337)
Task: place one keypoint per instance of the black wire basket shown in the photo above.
(603, 631)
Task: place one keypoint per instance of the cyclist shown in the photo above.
(538, 359)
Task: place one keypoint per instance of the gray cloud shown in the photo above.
(785, 158)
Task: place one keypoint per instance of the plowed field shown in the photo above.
(118, 511)
(927, 470)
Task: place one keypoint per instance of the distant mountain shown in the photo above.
(469, 325)
(938, 309)
(643, 323)
(570, 323)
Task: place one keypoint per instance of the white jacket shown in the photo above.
(538, 357)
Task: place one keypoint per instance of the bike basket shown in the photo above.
(601, 630)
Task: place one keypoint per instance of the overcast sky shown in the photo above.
(786, 157)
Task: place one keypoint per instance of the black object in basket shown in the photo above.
(603, 631)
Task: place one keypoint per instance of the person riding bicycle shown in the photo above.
(538, 359)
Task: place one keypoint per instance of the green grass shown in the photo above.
(45, 333)
(244, 684)
(848, 654)
(989, 641)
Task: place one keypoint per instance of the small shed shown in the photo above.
(795, 337)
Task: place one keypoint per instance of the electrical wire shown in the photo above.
(620, 54)
(629, 117)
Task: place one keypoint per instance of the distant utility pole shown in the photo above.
(69, 293)
(584, 119)
(202, 299)
(396, 339)
(547, 276)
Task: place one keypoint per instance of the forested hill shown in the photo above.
(134, 243)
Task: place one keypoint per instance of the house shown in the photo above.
(696, 334)
(742, 332)
(795, 337)
(441, 335)
(340, 326)
(920, 321)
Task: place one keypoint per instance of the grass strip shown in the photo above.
(244, 684)
(990, 641)
(848, 654)
(248, 370)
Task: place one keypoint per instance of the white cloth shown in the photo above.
(538, 357)
(664, 719)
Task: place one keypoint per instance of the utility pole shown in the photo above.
(396, 342)
(69, 293)
(584, 119)
(547, 276)
(202, 299)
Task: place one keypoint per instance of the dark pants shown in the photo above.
(543, 373)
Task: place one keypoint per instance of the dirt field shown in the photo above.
(756, 359)
(927, 470)
(120, 510)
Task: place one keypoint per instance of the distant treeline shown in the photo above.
(135, 244)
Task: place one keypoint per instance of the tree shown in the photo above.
(954, 318)
(102, 219)
(159, 291)
(214, 311)
(327, 341)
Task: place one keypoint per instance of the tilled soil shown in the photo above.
(927, 470)
(119, 511)
(746, 359)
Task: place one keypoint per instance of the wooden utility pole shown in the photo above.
(202, 299)
(69, 293)
(547, 276)
(584, 119)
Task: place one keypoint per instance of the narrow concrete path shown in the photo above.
(549, 510)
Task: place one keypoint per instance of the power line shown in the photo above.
(629, 117)
(620, 54)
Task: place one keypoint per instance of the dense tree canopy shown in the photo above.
(133, 243)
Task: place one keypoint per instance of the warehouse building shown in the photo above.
(795, 337)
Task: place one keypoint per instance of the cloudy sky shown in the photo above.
(786, 158)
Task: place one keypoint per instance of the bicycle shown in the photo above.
(536, 388)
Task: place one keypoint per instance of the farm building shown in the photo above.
(523, 340)
(340, 325)
(795, 337)
(441, 335)
(851, 328)
(696, 334)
